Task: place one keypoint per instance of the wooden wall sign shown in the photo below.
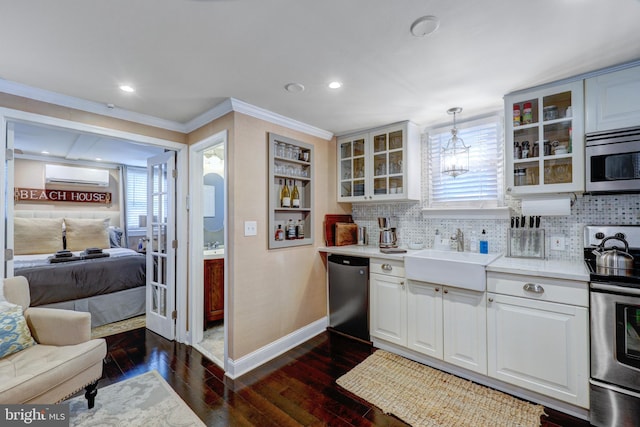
(46, 195)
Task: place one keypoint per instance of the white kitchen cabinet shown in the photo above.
(380, 165)
(424, 314)
(388, 301)
(545, 147)
(537, 338)
(465, 330)
(609, 103)
(448, 323)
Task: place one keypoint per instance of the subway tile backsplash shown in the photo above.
(414, 225)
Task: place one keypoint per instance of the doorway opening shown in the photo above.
(40, 140)
(209, 246)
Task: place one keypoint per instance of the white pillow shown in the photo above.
(37, 235)
(86, 233)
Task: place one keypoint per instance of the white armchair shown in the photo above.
(63, 361)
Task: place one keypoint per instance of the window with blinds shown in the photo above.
(482, 186)
(135, 199)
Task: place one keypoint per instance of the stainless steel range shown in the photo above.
(612, 254)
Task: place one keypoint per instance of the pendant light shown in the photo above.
(455, 156)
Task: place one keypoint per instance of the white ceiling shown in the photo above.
(186, 56)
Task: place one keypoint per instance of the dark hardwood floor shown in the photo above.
(297, 388)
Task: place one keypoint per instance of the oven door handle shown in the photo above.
(617, 289)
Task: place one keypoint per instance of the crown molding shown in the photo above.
(50, 97)
(269, 116)
(226, 106)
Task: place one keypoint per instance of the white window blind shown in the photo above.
(136, 197)
(482, 185)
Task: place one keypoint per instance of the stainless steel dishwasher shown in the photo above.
(349, 295)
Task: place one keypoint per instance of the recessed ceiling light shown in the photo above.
(98, 159)
(127, 88)
(425, 26)
(44, 152)
(335, 85)
(294, 87)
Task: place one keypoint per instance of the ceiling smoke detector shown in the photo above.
(294, 87)
(425, 26)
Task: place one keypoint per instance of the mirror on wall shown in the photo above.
(213, 193)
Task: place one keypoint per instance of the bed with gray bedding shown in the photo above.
(111, 287)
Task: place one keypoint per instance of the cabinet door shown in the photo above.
(545, 140)
(388, 308)
(540, 346)
(465, 329)
(352, 168)
(213, 290)
(609, 104)
(424, 314)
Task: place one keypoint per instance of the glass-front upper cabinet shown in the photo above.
(545, 140)
(382, 164)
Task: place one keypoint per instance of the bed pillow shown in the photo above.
(86, 233)
(37, 235)
(14, 331)
(115, 237)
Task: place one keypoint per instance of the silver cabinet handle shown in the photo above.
(386, 267)
(437, 289)
(532, 287)
(490, 299)
(446, 291)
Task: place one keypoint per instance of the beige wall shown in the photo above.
(271, 292)
(30, 174)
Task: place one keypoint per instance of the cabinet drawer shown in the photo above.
(387, 267)
(539, 288)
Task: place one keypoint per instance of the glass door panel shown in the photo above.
(380, 143)
(628, 334)
(345, 169)
(555, 106)
(380, 186)
(358, 187)
(395, 140)
(358, 167)
(345, 150)
(526, 173)
(358, 147)
(396, 185)
(380, 164)
(395, 162)
(558, 171)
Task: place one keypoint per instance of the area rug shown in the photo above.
(117, 327)
(145, 400)
(423, 396)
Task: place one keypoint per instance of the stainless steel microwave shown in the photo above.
(612, 161)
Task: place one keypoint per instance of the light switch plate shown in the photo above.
(251, 228)
(557, 243)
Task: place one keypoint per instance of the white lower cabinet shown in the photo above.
(448, 323)
(388, 303)
(539, 345)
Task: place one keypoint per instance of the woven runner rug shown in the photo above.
(423, 396)
(145, 400)
(117, 327)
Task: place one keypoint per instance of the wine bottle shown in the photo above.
(295, 196)
(285, 196)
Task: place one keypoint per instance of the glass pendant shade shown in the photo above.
(455, 155)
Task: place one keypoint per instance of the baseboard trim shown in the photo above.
(238, 367)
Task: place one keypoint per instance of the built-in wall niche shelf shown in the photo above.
(290, 163)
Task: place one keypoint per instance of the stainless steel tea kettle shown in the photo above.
(613, 262)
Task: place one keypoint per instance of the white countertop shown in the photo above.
(570, 270)
(363, 251)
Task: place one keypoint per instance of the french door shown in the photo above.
(161, 245)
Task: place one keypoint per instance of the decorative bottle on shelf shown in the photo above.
(295, 196)
(527, 115)
(285, 196)
(279, 233)
(291, 230)
(300, 229)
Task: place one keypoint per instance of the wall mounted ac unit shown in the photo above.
(58, 174)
